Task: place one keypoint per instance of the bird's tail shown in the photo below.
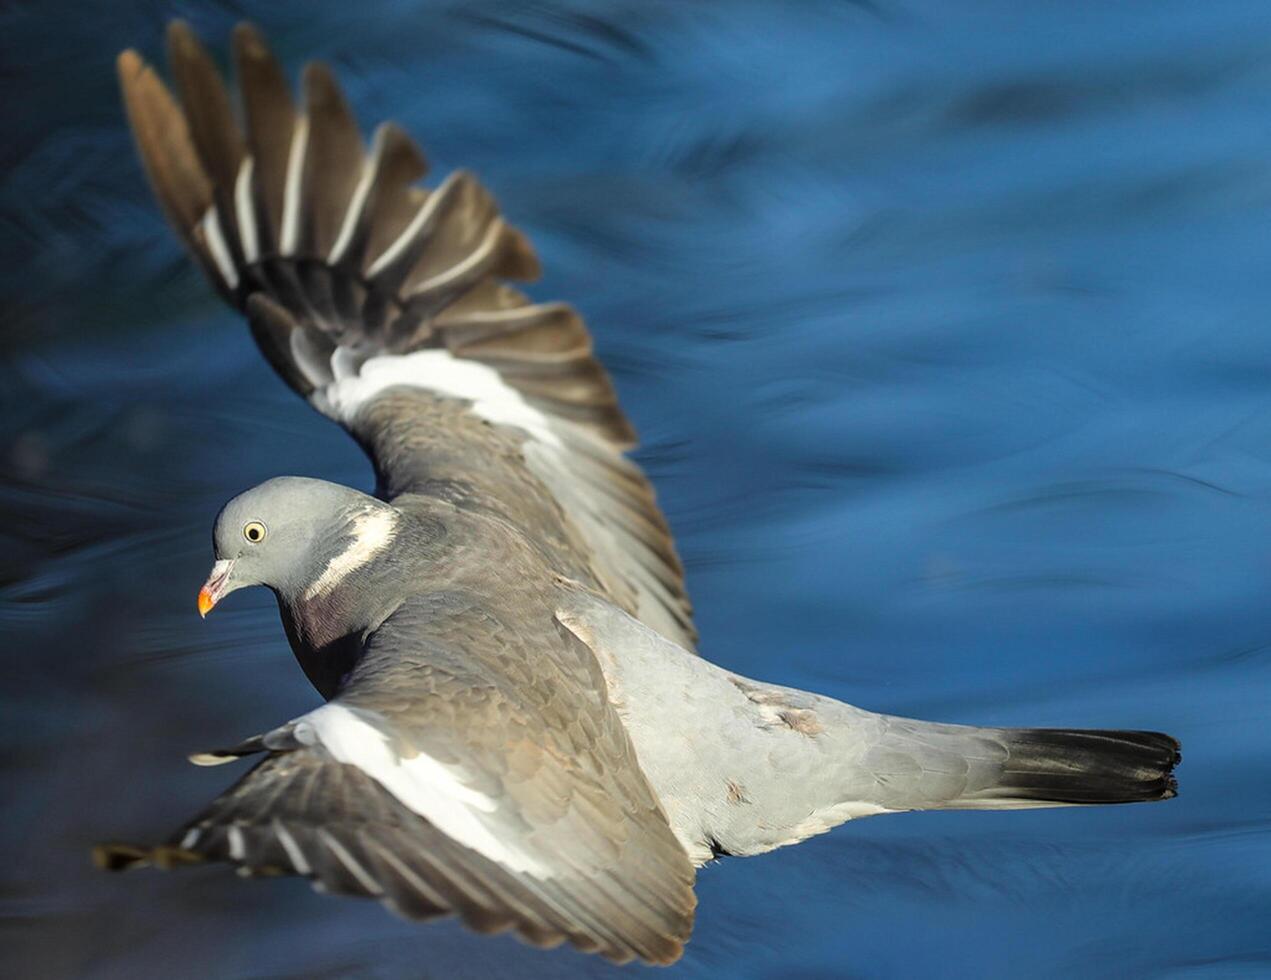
(1073, 766)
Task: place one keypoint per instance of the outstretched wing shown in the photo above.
(385, 305)
(469, 786)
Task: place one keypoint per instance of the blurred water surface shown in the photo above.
(946, 329)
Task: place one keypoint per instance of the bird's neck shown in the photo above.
(368, 531)
(326, 633)
(346, 594)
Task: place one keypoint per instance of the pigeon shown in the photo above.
(516, 726)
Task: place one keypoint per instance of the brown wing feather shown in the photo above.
(206, 106)
(167, 150)
(270, 117)
(332, 163)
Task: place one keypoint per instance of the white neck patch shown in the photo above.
(372, 531)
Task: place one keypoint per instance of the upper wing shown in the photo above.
(384, 304)
(451, 776)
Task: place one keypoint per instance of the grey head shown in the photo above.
(290, 532)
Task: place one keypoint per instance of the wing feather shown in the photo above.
(332, 165)
(270, 117)
(300, 812)
(348, 271)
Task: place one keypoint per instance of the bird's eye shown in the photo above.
(254, 531)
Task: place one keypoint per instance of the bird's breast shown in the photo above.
(326, 642)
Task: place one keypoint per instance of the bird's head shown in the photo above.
(290, 535)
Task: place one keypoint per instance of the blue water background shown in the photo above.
(946, 328)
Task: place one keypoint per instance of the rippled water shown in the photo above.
(946, 328)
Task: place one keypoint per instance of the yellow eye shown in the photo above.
(254, 531)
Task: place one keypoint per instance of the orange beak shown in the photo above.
(215, 587)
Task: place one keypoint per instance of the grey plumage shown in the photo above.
(518, 730)
(767, 766)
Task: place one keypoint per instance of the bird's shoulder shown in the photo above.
(495, 639)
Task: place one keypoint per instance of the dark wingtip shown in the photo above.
(519, 260)
(121, 857)
(180, 35)
(391, 141)
(249, 41)
(320, 86)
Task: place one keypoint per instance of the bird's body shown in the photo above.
(517, 727)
